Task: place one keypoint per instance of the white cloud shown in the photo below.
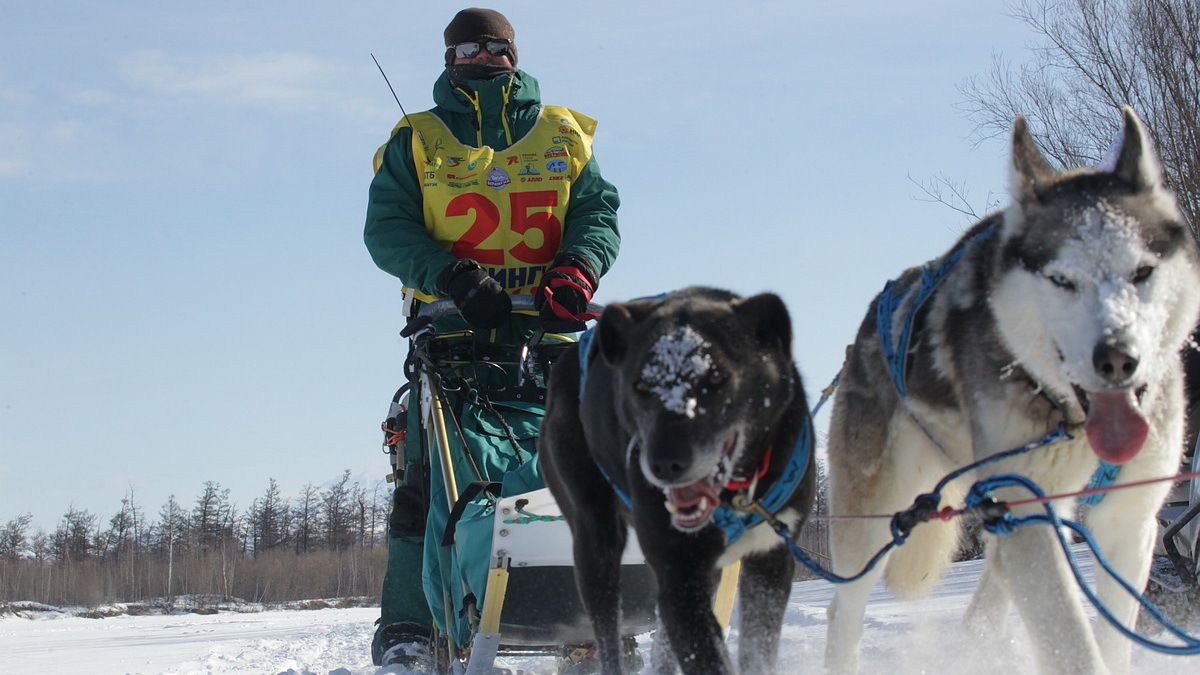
(12, 161)
(66, 131)
(14, 96)
(13, 166)
(267, 78)
(368, 113)
(94, 97)
(12, 132)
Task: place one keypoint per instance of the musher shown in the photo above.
(494, 195)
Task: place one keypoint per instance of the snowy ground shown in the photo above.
(901, 638)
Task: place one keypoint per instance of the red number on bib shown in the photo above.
(487, 220)
(543, 221)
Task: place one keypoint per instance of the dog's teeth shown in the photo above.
(703, 505)
(671, 508)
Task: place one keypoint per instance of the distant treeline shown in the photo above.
(324, 543)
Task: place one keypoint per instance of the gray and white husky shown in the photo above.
(1071, 306)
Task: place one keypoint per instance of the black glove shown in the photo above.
(566, 289)
(480, 299)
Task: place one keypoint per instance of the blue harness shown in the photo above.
(733, 522)
(892, 297)
(896, 346)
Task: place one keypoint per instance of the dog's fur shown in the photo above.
(1073, 311)
(675, 389)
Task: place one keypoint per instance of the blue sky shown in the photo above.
(184, 292)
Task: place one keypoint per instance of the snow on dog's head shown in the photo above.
(676, 365)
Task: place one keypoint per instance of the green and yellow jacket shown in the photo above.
(503, 111)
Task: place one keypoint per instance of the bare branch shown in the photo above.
(942, 190)
(1088, 58)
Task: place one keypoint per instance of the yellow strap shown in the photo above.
(493, 603)
(726, 592)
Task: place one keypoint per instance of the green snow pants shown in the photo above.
(403, 599)
(413, 569)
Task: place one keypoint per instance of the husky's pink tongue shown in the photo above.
(1115, 427)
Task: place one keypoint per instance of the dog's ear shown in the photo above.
(1136, 161)
(1030, 170)
(768, 319)
(617, 324)
(611, 329)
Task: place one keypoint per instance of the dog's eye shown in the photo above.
(713, 379)
(1143, 273)
(1061, 281)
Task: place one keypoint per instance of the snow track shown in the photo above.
(901, 638)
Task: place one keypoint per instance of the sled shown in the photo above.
(1175, 572)
(511, 564)
(1180, 522)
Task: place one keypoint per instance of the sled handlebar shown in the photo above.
(520, 303)
(437, 309)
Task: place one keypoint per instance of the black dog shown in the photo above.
(673, 407)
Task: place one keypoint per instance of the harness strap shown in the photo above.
(892, 298)
(585, 346)
(1105, 476)
(734, 521)
(764, 462)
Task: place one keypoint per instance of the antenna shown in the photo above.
(402, 110)
(389, 84)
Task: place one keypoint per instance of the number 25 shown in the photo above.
(487, 221)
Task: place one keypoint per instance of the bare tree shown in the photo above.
(73, 538)
(337, 513)
(268, 520)
(14, 546)
(41, 546)
(1090, 58)
(305, 516)
(172, 534)
(122, 544)
(14, 537)
(374, 507)
(212, 517)
(123, 534)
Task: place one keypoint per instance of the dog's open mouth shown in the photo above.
(1116, 426)
(691, 506)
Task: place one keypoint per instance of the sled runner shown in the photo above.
(498, 570)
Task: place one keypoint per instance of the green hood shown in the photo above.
(477, 122)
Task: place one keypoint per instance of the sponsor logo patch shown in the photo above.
(497, 178)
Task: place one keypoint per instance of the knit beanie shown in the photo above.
(477, 24)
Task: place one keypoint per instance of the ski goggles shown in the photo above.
(467, 50)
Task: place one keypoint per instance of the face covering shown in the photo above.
(461, 74)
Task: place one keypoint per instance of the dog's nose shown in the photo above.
(668, 470)
(1114, 362)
